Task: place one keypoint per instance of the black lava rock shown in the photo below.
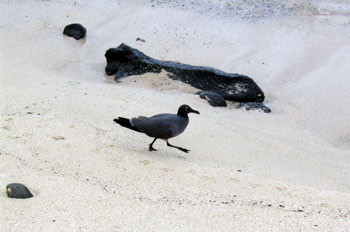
(214, 99)
(125, 61)
(75, 30)
(254, 106)
(16, 190)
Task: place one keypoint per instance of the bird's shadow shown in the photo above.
(162, 154)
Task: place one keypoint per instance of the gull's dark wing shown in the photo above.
(163, 126)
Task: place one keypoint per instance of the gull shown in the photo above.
(160, 126)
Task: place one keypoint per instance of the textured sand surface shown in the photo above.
(247, 171)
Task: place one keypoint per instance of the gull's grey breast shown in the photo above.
(163, 126)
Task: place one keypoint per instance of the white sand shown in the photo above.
(88, 174)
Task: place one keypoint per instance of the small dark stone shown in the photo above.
(75, 30)
(254, 106)
(141, 40)
(214, 99)
(16, 190)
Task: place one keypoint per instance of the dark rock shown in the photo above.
(254, 106)
(214, 99)
(125, 61)
(75, 30)
(16, 190)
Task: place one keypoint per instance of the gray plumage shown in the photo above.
(160, 126)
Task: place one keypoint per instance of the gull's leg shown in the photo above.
(180, 148)
(151, 145)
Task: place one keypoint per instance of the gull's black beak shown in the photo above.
(194, 111)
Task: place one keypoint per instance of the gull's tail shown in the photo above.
(125, 122)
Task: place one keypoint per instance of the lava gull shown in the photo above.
(160, 126)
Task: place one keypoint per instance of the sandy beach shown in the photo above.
(288, 170)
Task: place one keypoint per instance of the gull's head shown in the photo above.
(184, 110)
